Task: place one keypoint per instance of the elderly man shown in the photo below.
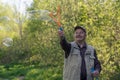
(81, 62)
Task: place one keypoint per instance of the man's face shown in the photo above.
(79, 35)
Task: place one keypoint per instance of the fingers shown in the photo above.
(95, 73)
(60, 33)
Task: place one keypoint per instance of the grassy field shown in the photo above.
(31, 72)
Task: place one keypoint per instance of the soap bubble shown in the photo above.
(7, 42)
(39, 15)
(4, 18)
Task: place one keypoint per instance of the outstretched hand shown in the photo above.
(60, 33)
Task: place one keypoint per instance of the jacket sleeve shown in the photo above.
(65, 46)
(97, 65)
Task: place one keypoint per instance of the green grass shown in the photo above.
(30, 72)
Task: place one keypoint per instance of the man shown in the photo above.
(81, 62)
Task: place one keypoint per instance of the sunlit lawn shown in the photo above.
(31, 72)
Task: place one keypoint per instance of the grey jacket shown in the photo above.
(72, 63)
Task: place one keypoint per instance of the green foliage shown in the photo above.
(39, 45)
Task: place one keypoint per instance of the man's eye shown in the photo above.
(79, 32)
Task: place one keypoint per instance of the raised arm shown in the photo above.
(64, 44)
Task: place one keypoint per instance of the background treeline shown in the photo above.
(36, 53)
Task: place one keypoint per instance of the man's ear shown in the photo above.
(85, 34)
